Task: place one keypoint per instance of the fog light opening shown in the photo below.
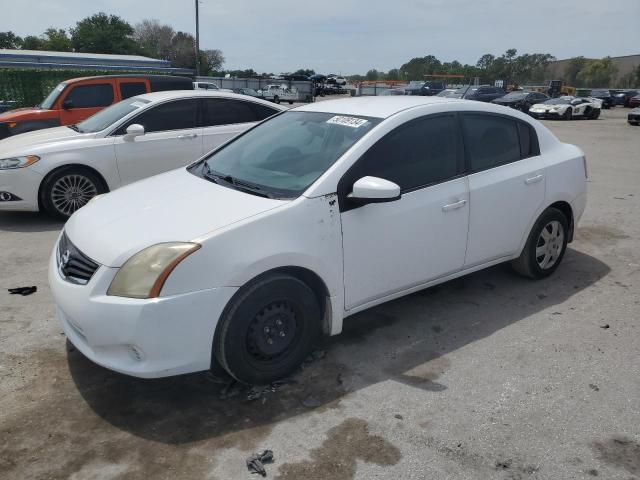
(8, 197)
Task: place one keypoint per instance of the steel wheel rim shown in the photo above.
(278, 322)
(72, 192)
(549, 245)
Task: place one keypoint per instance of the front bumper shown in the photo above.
(633, 119)
(148, 338)
(542, 115)
(22, 183)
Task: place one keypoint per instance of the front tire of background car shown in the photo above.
(66, 190)
(545, 246)
(595, 114)
(568, 114)
(268, 329)
(276, 99)
(290, 102)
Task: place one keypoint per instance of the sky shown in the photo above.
(348, 36)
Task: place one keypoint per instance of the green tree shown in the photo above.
(102, 33)
(573, 69)
(211, 61)
(597, 73)
(154, 38)
(56, 40)
(31, 42)
(183, 50)
(417, 68)
(10, 40)
(393, 74)
(305, 71)
(373, 74)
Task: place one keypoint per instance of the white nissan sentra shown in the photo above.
(246, 257)
(60, 169)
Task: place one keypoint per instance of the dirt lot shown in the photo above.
(488, 376)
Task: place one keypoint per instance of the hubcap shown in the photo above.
(272, 331)
(71, 192)
(549, 245)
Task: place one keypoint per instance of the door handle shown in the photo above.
(187, 136)
(535, 179)
(454, 206)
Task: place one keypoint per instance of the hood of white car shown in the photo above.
(25, 143)
(176, 206)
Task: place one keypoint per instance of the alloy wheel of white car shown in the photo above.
(69, 190)
(550, 244)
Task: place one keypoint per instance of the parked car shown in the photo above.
(244, 259)
(77, 99)
(521, 100)
(295, 77)
(483, 93)
(60, 169)
(247, 91)
(634, 116)
(449, 93)
(624, 97)
(567, 108)
(424, 88)
(634, 102)
(278, 93)
(604, 96)
(210, 86)
(336, 80)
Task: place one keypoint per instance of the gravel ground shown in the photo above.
(487, 376)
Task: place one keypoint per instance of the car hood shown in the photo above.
(22, 143)
(176, 206)
(18, 114)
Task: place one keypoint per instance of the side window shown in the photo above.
(491, 140)
(131, 89)
(529, 146)
(89, 96)
(219, 111)
(262, 111)
(420, 153)
(176, 115)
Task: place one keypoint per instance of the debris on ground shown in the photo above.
(311, 402)
(398, 416)
(259, 391)
(593, 387)
(255, 462)
(605, 326)
(231, 389)
(23, 290)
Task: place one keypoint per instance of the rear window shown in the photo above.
(131, 89)
(491, 140)
(218, 111)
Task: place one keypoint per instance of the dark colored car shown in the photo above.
(295, 77)
(521, 100)
(428, 89)
(634, 102)
(246, 91)
(482, 93)
(605, 96)
(634, 116)
(623, 97)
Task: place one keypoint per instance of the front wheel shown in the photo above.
(545, 246)
(595, 114)
(69, 189)
(568, 114)
(268, 329)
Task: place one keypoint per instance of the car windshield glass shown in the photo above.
(557, 101)
(515, 95)
(283, 156)
(600, 92)
(416, 83)
(107, 117)
(52, 97)
(250, 91)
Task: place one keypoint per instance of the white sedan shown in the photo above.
(567, 108)
(61, 169)
(246, 257)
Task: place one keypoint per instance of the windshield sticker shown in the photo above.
(137, 104)
(352, 122)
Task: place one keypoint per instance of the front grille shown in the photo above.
(73, 265)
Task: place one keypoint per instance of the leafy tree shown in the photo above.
(154, 38)
(10, 40)
(56, 40)
(597, 73)
(102, 33)
(211, 61)
(573, 68)
(486, 61)
(393, 74)
(373, 74)
(417, 68)
(305, 71)
(183, 50)
(31, 42)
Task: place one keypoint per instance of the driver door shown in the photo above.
(171, 140)
(390, 247)
(82, 101)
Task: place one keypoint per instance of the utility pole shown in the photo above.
(197, 38)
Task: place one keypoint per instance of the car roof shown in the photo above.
(380, 107)
(175, 94)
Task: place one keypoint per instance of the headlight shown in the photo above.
(18, 162)
(144, 274)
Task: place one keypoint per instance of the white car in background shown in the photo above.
(60, 169)
(278, 93)
(246, 257)
(567, 108)
(210, 86)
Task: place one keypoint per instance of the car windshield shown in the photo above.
(448, 93)
(415, 83)
(110, 115)
(600, 92)
(283, 156)
(52, 97)
(250, 91)
(470, 91)
(515, 95)
(558, 101)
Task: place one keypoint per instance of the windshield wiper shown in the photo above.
(74, 128)
(240, 185)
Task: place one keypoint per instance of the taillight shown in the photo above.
(584, 163)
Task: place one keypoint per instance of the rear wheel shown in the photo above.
(545, 246)
(568, 114)
(595, 114)
(268, 329)
(69, 189)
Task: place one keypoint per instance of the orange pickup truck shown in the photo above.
(74, 100)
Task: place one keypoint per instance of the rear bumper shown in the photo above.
(22, 183)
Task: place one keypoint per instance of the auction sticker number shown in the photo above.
(352, 122)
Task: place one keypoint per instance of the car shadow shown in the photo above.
(29, 222)
(406, 341)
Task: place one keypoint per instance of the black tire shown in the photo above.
(290, 102)
(68, 189)
(276, 308)
(531, 265)
(568, 114)
(276, 99)
(595, 114)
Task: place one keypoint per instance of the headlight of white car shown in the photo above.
(144, 274)
(18, 162)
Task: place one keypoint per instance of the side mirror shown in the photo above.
(67, 105)
(134, 130)
(374, 190)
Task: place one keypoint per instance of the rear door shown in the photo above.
(506, 184)
(172, 139)
(224, 118)
(130, 87)
(80, 101)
